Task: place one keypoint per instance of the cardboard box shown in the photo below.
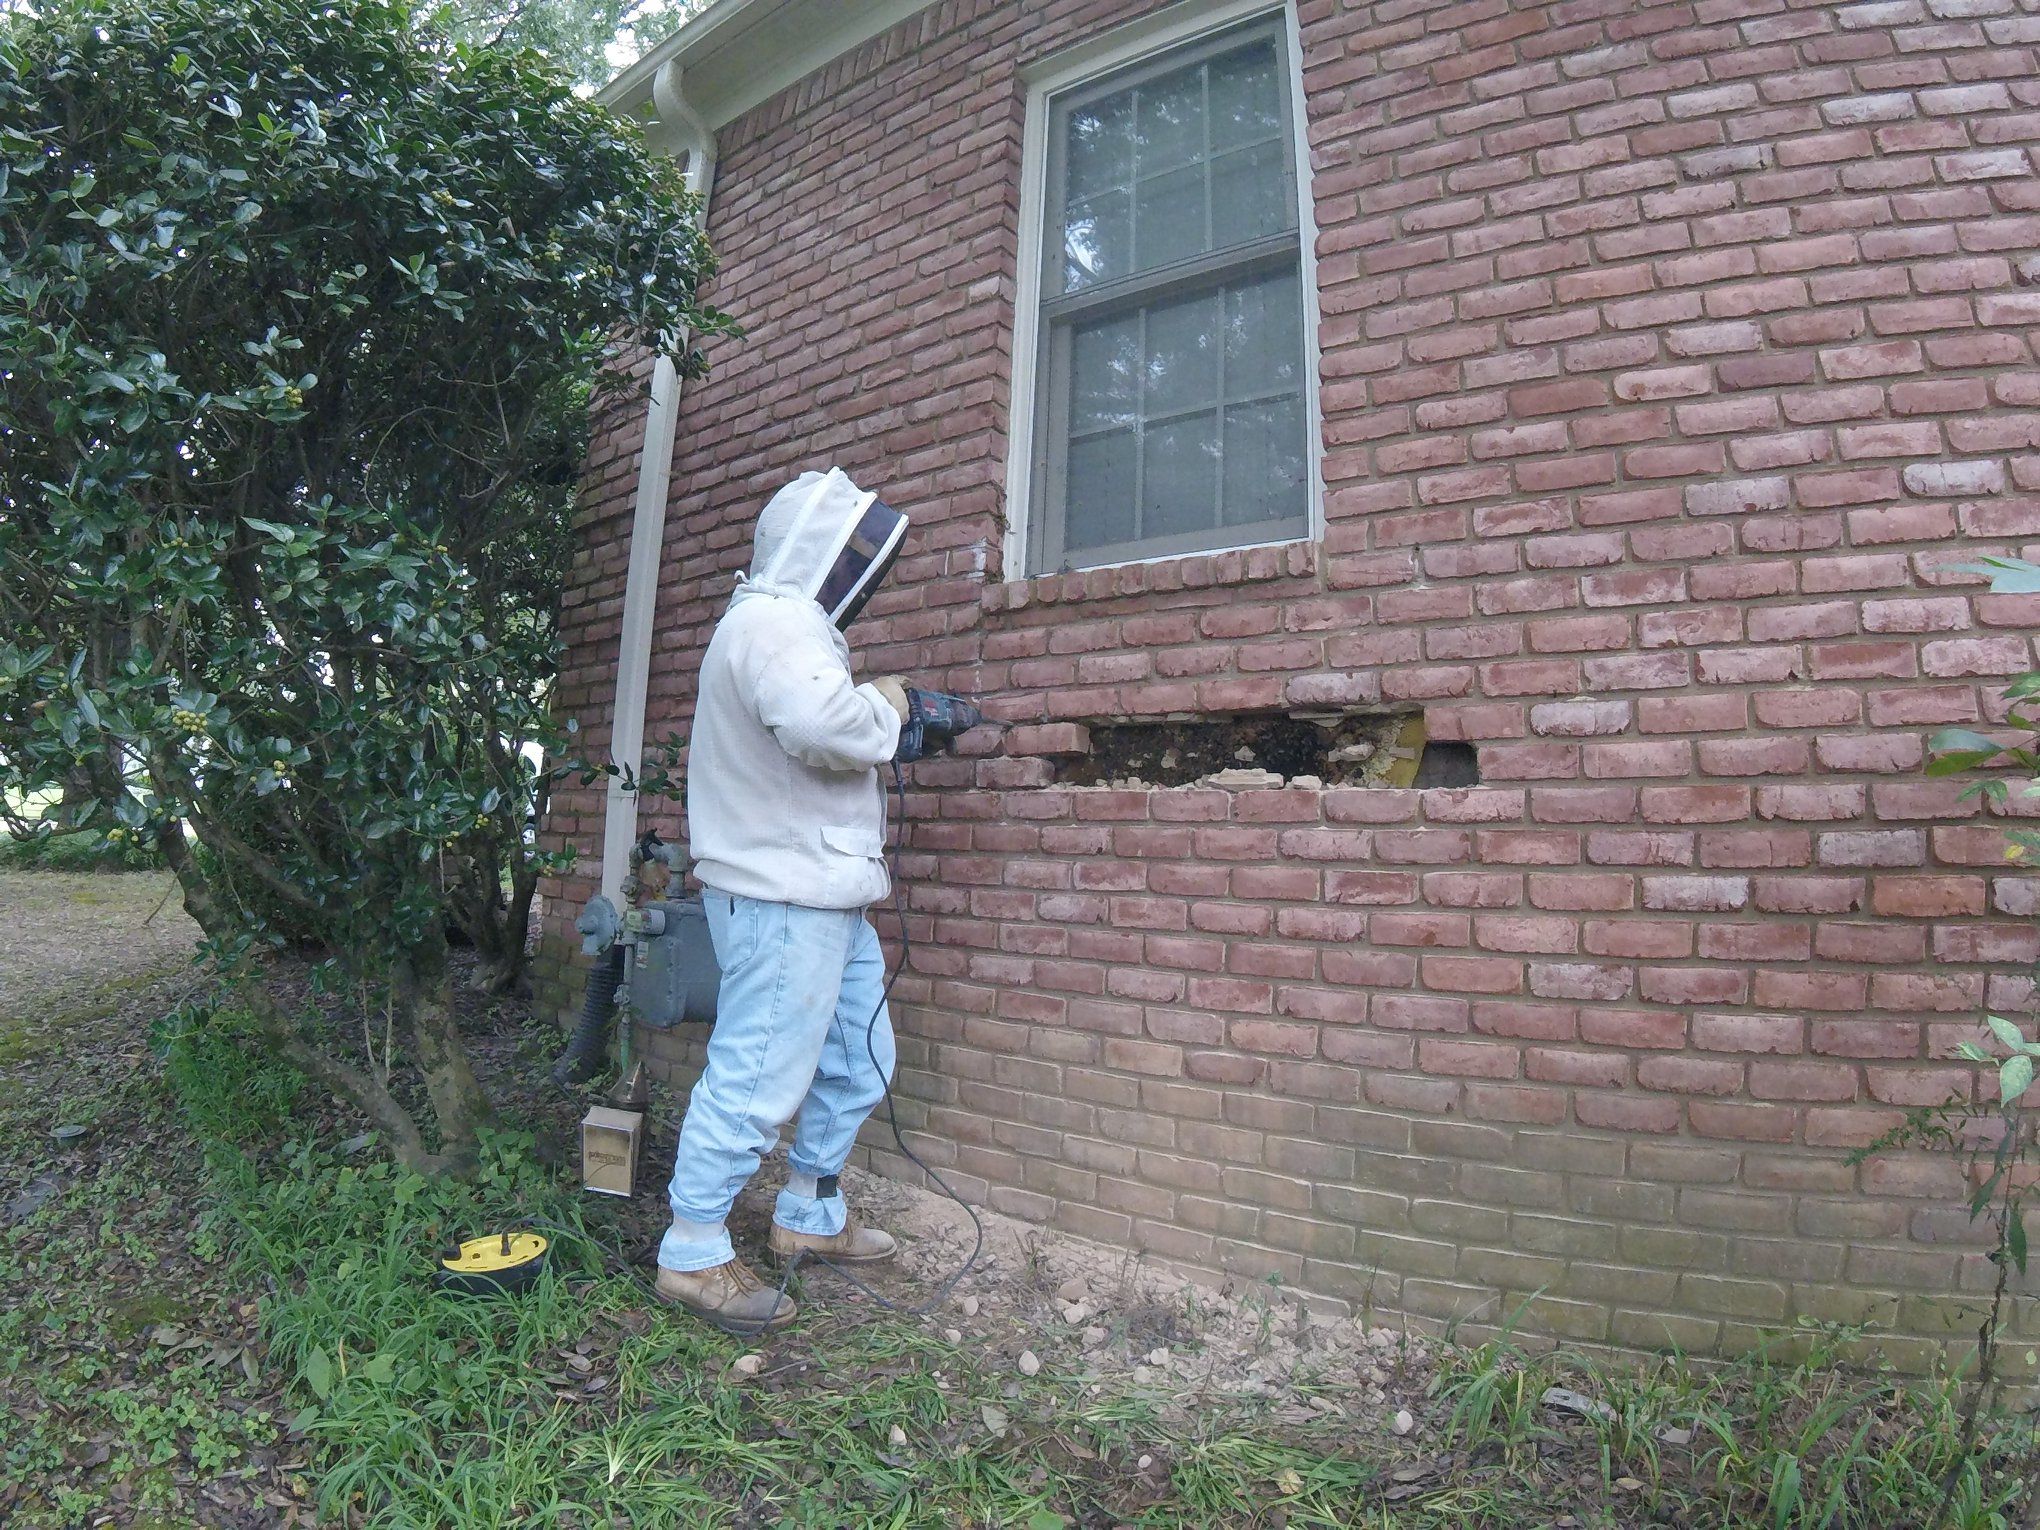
(610, 1142)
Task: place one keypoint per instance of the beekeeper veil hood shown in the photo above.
(823, 537)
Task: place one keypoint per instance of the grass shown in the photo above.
(1788, 1437)
(300, 1351)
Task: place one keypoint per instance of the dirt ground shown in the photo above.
(71, 942)
(1038, 1298)
(73, 945)
(123, 1338)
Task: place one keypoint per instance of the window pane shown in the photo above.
(1264, 462)
(1104, 374)
(1169, 118)
(1097, 240)
(1246, 104)
(1182, 356)
(1179, 477)
(1180, 398)
(1099, 503)
(1169, 218)
(1249, 195)
(1100, 145)
(1264, 337)
(1192, 160)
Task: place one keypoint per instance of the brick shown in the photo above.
(1955, 479)
(1664, 360)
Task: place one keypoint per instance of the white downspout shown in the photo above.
(648, 521)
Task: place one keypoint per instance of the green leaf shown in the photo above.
(2015, 1236)
(2015, 1076)
(380, 1369)
(2006, 1032)
(2008, 576)
(1944, 739)
(318, 1374)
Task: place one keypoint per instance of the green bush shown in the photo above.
(302, 308)
(76, 852)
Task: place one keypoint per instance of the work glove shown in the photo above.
(894, 690)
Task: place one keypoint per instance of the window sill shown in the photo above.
(1197, 571)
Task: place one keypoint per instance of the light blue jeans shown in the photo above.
(799, 987)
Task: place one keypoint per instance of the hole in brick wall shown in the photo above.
(1248, 749)
(1447, 762)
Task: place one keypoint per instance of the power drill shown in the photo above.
(934, 719)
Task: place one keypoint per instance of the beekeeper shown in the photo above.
(786, 823)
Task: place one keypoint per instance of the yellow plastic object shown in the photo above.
(494, 1265)
(1405, 754)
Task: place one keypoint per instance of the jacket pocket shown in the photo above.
(858, 842)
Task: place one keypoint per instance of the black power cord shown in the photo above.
(804, 1256)
(892, 1120)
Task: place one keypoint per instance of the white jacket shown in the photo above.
(784, 800)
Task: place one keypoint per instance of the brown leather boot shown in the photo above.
(853, 1245)
(728, 1295)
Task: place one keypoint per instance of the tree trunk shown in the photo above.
(424, 997)
(505, 969)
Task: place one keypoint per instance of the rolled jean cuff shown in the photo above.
(806, 1214)
(683, 1256)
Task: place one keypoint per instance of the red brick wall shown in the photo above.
(1670, 355)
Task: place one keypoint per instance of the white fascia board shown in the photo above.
(738, 53)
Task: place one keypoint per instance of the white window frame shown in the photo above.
(1168, 28)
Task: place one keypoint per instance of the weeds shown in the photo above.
(582, 1403)
(1793, 1443)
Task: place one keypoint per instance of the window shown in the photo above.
(1171, 399)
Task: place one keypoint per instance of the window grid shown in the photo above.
(1222, 275)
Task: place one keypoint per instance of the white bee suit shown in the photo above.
(784, 800)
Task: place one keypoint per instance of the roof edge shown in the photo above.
(738, 53)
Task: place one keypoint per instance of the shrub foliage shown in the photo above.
(301, 306)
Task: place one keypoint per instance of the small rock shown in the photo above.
(747, 1365)
(1403, 1422)
(35, 1195)
(1030, 1364)
(970, 1306)
(952, 1336)
(1094, 1336)
(896, 1436)
(1158, 1357)
(1308, 783)
(1075, 1313)
(1143, 1463)
(1072, 1290)
(1243, 780)
(1142, 1375)
(1565, 1400)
